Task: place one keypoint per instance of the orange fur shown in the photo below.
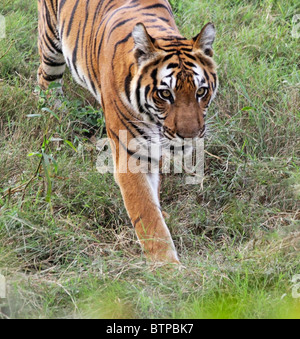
(147, 77)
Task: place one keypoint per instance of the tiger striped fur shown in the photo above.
(148, 78)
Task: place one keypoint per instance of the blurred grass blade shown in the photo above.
(71, 145)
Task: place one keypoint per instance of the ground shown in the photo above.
(67, 248)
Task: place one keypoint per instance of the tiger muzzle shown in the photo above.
(191, 133)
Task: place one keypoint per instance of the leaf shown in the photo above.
(46, 159)
(56, 139)
(71, 145)
(54, 163)
(248, 108)
(54, 85)
(33, 115)
(35, 154)
(45, 143)
(49, 182)
(46, 109)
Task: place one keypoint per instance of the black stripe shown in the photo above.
(49, 23)
(167, 57)
(72, 17)
(173, 65)
(158, 6)
(130, 122)
(173, 37)
(161, 28)
(134, 154)
(154, 78)
(127, 84)
(51, 62)
(74, 55)
(206, 75)
(215, 79)
(190, 64)
(117, 45)
(147, 90)
(52, 47)
(190, 56)
(85, 23)
(51, 78)
(61, 5)
(138, 95)
(164, 19)
(120, 24)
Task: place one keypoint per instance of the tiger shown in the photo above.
(148, 79)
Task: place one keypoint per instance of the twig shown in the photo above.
(19, 188)
(2, 56)
(13, 191)
(30, 181)
(212, 155)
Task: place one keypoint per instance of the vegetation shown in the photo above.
(66, 244)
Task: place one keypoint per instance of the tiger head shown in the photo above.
(175, 81)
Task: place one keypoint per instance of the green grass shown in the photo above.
(66, 244)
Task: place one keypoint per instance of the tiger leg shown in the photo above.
(140, 191)
(140, 195)
(53, 63)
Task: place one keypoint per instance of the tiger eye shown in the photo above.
(166, 94)
(201, 92)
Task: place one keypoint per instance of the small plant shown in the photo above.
(61, 111)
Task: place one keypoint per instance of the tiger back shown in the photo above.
(149, 80)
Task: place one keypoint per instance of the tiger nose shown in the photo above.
(191, 133)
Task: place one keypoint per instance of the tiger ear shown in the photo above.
(144, 43)
(205, 39)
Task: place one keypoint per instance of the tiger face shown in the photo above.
(175, 81)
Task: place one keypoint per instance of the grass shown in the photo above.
(66, 244)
